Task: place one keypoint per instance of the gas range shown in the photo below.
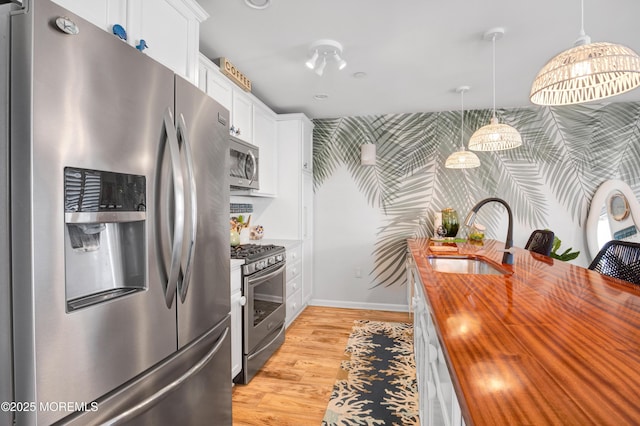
(258, 256)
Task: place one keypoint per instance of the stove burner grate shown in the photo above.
(251, 251)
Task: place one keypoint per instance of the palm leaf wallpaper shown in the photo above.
(567, 153)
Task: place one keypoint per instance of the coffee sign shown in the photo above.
(234, 74)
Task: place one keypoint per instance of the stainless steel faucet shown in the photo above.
(507, 257)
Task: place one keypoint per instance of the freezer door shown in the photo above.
(6, 345)
(86, 101)
(190, 388)
(203, 294)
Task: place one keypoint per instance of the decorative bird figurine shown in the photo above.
(119, 31)
(142, 45)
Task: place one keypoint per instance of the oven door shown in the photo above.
(265, 309)
(243, 165)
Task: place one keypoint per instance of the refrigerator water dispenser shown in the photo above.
(105, 236)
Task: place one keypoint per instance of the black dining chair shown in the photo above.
(540, 241)
(619, 259)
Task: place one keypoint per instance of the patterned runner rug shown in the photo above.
(377, 385)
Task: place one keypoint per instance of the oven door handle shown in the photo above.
(253, 281)
(265, 347)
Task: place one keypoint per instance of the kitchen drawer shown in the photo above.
(294, 254)
(293, 270)
(294, 306)
(293, 286)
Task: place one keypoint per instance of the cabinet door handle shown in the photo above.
(433, 353)
(431, 390)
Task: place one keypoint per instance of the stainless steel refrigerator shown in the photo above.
(119, 232)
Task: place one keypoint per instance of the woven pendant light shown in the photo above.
(462, 159)
(494, 136)
(586, 72)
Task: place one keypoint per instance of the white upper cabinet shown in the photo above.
(242, 115)
(256, 122)
(239, 103)
(102, 13)
(307, 149)
(170, 28)
(215, 84)
(264, 137)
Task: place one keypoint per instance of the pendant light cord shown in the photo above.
(583, 38)
(493, 40)
(582, 33)
(462, 119)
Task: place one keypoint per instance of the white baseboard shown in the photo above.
(359, 305)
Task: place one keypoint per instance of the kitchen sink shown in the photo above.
(463, 265)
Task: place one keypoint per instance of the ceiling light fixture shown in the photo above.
(494, 136)
(319, 69)
(586, 72)
(258, 4)
(323, 51)
(462, 159)
(311, 62)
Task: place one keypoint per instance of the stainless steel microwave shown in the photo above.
(244, 162)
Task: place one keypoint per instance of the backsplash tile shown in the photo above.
(240, 208)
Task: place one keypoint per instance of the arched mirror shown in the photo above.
(614, 214)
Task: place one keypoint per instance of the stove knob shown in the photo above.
(278, 258)
(271, 260)
(260, 265)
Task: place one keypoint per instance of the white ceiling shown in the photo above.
(415, 52)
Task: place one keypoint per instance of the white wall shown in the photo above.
(549, 181)
(345, 236)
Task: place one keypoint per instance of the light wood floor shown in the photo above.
(294, 386)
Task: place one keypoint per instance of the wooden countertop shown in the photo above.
(548, 344)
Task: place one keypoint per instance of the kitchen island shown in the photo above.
(544, 343)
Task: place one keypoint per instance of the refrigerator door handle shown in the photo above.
(178, 195)
(187, 266)
(150, 401)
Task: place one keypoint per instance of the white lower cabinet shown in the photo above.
(237, 302)
(438, 402)
(294, 283)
